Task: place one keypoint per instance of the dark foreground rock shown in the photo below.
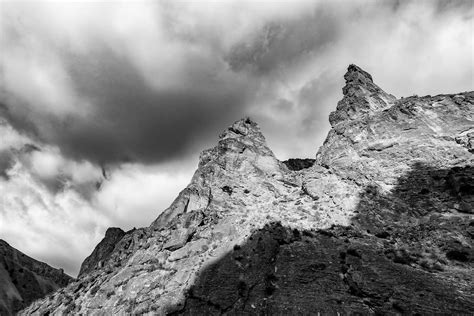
(24, 279)
(380, 223)
(336, 271)
(102, 251)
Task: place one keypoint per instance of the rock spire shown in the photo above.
(362, 97)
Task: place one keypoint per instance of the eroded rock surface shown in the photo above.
(24, 279)
(339, 270)
(380, 223)
(102, 251)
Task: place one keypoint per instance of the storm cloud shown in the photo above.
(145, 81)
(99, 98)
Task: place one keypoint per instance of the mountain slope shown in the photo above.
(102, 251)
(23, 279)
(381, 223)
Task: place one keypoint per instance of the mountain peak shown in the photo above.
(243, 135)
(102, 251)
(354, 72)
(111, 231)
(240, 158)
(362, 97)
(243, 127)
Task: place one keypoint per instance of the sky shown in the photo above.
(106, 105)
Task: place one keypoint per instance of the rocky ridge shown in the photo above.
(102, 251)
(382, 222)
(24, 279)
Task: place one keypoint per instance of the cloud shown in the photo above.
(62, 228)
(143, 190)
(410, 47)
(57, 209)
(121, 87)
(56, 228)
(144, 81)
(284, 43)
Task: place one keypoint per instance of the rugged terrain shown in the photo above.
(381, 222)
(24, 279)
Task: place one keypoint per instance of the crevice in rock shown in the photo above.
(297, 164)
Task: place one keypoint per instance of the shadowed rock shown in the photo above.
(24, 279)
(298, 164)
(284, 271)
(102, 251)
(404, 252)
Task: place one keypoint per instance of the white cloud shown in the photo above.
(10, 137)
(415, 49)
(135, 195)
(57, 228)
(62, 227)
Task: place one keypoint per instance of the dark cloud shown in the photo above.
(282, 43)
(150, 96)
(443, 6)
(318, 97)
(5, 164)
(132, 121)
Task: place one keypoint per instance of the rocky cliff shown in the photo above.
(102, 251)
(24, 279)
(380, 222)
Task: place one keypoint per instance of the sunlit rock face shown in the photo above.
(380, 223)
(362, 97)
(24, 279)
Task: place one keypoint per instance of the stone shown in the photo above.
(102, 251)
(361, 97)
(24, 279)
(178, 239)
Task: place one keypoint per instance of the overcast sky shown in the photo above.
(106, 105)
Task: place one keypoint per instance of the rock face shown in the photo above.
(102, 251)
(381, 223)
(24, 279)
(362, 97)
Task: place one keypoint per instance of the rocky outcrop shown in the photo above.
(24, 279)
(102, 251)
(362, 97)
(381, 223)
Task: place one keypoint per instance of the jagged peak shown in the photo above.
(241, 153)
(102, 251)
(362, 97)
(242, 135)
(354, 72)
(244, 132)
(243, 127)
(113, 231)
